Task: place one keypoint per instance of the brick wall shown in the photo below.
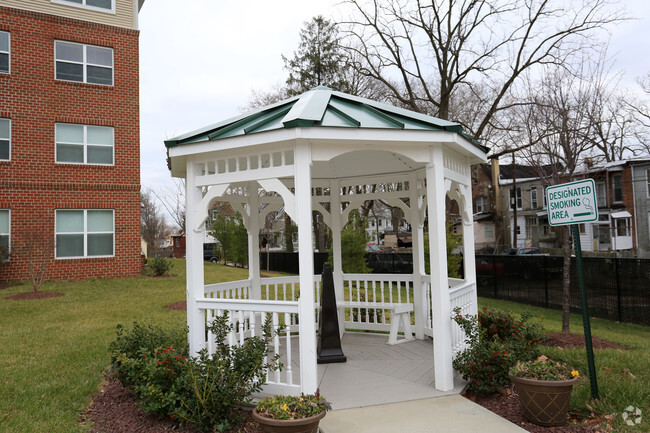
(32, 184)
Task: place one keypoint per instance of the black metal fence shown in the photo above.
(288, 262)
(617, 289)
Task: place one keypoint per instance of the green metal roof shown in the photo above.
(320, 107)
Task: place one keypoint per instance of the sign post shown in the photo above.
(574, 203)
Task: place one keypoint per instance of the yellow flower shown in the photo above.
(285, 407)
(574, 373)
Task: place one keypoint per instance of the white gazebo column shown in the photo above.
(469, 259)
(442, 350)
(336, 225)
(194, 260)
(418, 256)
(253, 240)
(307, 317)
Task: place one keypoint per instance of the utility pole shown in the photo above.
(514, 201)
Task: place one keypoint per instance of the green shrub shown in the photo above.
(204, 390)
(160, 265)
(496, 341)
(292, 407)
(217, 384)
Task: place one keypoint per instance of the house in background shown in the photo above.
(69, 136)
(623, 201)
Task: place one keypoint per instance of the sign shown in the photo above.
(572, 203)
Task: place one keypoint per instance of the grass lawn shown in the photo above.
(54, 351)
(623, 375)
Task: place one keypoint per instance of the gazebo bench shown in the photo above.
(400, 313)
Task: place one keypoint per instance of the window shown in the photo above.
(533, 197)
(481, 204)
(647, 183)
(84, 144)
(544, 197)
(512, 201)
(106, 5)
(622, 226)
(84, 233)
(83, 63)
(488, 231)
(582, 229)
(617, 187)
(4, 52)
(601, 194)
(5, 139)
(5, 233)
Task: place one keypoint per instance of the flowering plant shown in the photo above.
(291, 407)
(543, 368)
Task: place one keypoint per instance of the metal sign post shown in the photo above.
(572, 204)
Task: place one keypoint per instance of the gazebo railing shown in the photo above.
(247, 318)
(366, 296)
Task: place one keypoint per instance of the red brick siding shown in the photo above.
(32, 184)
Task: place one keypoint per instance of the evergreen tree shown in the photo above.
(319, 59)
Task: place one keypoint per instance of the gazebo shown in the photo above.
(329, 152)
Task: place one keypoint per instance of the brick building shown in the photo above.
(69, 137)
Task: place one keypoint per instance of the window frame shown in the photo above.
(83, 5)
(85, 145)
(485, 231)
(8, 138)
(534, 202)
(8, 52)
(601, 194)
(518, 199)
(614, 189)
(482, 204)
(84, 63)
(8, 233)
(84, 233)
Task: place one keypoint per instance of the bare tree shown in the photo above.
(557, 130)
(37, 252)
(172, 198)
(152, 224)
(427, 54)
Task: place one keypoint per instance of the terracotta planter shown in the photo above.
(304, 425)
(544, 402)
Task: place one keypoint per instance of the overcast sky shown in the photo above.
(200, 59)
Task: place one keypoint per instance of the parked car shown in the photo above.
(486, 270)
(389, 263)
(522, 251)
(209, 255)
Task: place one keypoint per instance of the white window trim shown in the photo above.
(9, 158)
(534, 204)
(8, 234)
(85, 6)
(8, 52)
(85, 234)
(85, 146)
(85, 63)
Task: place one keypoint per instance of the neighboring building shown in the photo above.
(641, 185)
(622, 192)
(69, 136)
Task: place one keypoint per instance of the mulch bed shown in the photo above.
(114, 410)
(33, 295)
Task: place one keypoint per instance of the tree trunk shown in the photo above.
(288, 234)
(566, 279)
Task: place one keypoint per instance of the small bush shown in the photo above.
(160, 266)
(496, 342)
(204, 390)
(217, 384)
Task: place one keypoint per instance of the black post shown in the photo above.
(329, 341)
(585, 313)
(546, 266)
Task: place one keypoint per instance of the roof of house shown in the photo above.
(321, 107)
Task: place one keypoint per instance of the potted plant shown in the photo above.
(291, 414)
(544, 387)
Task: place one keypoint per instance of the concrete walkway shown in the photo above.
(449, 414)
